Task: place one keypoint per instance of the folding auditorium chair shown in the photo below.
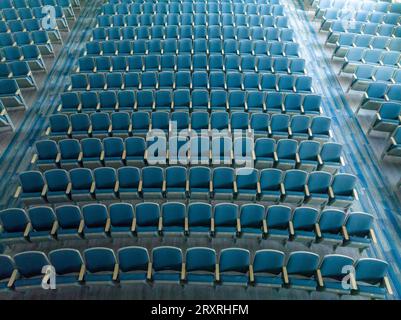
(317, 188)
(331, 159)
(68, 264)
(70, 222)
(10, 94)
(92, 155)
(46, 155)
(43, 224)
(105, 183)
(287, 156)
(234, 267)
(250, 223)
(32, 188)
(304, 224)
(199, 183)
(301, 269)
(330, 229)
(82, 183)
(129, 183)
(153, 183)
(358, 231)
(176, 179)
(308, 153)
(268, 268)
(100, 266)
(200, 266)
(342, 191)
(393, 147)
(15, 225)
(166, 266)
(57, 181)
(173, 215)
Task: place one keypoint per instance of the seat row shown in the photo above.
(22, 38)
(376, 57)
(36, 13)
(29, 53)
(272, 185)
(301, 270)
(347, 41)
(377, 29)
(366, 76)
(18, 4)
(30, 25)
(197, 100)
(20, 71)
(197, 46)
(191, 19)
(167, 80)
(277, 222)
(361, 10)
(265, 152)
(387, 119)
(10, 94)
(200, 7)
(393, 147)
(122, 124)
(188, 62)
(379, 94)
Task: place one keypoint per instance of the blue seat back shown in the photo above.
(66, 261)
(268, 261)
(166, 258)
(200, 259)
(133, 259)
(234, 260)
(302, 263)
(99, 259)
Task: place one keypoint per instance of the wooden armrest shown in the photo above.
(133, 225)
(264, 226)
(102, 156)
(116, 271)
(149, 273)
(253, 155)
(317, 230)
(307, 193)
(80, 156)
(160, 225)
(275, 156)
(238, 225)
(187, 186)
(355, 194)
(297, 158)
(354, 286)
(54, 228)
(345, 232)
(186, 225)
(217, 272)
(183, 273)
(58, 158)
(93, 187)
(69, 187)
(285, 275)
(212, 224)
(291, 227)
(140, 186)
(235, 187)
(373, 236)
(82, 273)
(90, 130)
(27, 229)
(108, 225)
(319, 160)
(117, 186)
(124, 155)
(13, 277)
(319, 278)
(258, 188)
(282, 189)
(251, 274)
(164, 186)
(388, 286)
(211, 186)
(17, 192)
(331, 193)
(44, 191)
(34, 158)
(81, 226)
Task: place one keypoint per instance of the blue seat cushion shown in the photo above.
(336, 286)
(200, 278)
(234, 278)
(332, 236)
(225, 229)
(11, 235)
(251, 230)
(371, 290)
(308, 284)
(305, 234)
(268, 280)
(66, 279)
(277, 232)
(99, 230)
(167, 276)
(133, 276)
(200, 229)
(29, 282)
(143, 229)
(101, 277)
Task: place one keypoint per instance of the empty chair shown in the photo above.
(294, 185)
(29, 265)
(31, 189)
(251, 220)
(133, 264)
(247, 183)
(271, 187)
(129, 183)
(224, 185)
(331, 159)
(46, 154)
(68, 264)
(301, 269)
(265, 155)
(92, 152)
(176, 178)
(57, 182)
(286, 154)
(100, 266)
(387, 118)
(330, 227)
(320, 128)
(152, 186)
(358, 230)
(200, 266)
(166, 264)
(342, 191)
(199, 183)
(15, 224)
(105, 183)
(96, 219)
(371, 279)
(173, 219)
(234, 266)
(268, 267)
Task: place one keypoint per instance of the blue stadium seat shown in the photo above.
(70, 222)
(301, 269)
(100, 266)
(166, 264)
(173, 215)
(15, 225)
(68, 264)
(251, 221)
(97, 221)
(342, 191)
(200, 266)
(268, 268)
(234, 266)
